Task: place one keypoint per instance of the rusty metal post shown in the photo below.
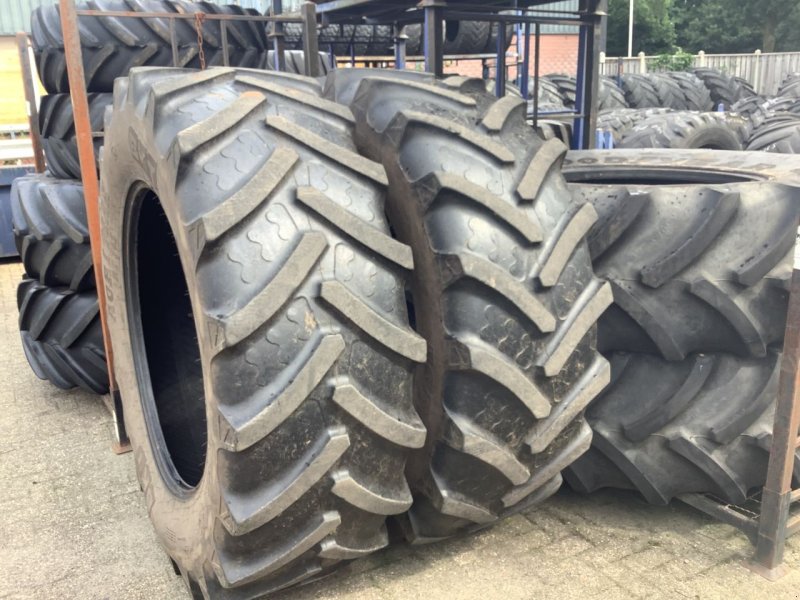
(30, 101)
(83, 135)
(777, 494)
(310, 41)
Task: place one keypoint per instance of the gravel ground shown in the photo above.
(74, 525)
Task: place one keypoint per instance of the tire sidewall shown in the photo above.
(185, 526)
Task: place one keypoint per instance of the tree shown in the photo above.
(718, 27)
(653, 32)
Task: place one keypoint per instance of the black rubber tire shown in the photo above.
(295, 61)
(790, 86)
(723, 88)
(414, 41)
(619, 121)
(477, 195)
(567, 87)
(640, 91)
(609, 95)
(549, 93)
(695, 265)
(669, 91)
(297, 295)
(491, 42)
(382, 41)
(57, 126)
(682, 130)
(779, 133)
(111, 46)
(48, 217)
(466, 37)
(695, 92)
(336, 38)
(667, 428)
(746, 89)
(549, 129)
(62, 337)
(362, 39)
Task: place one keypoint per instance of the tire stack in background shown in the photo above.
(698, 250)
(680, 110)
(59, 319)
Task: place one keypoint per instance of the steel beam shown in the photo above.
(434, 39)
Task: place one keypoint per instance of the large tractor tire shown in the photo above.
(491, 42)
(682, 130)
(640, 91)
(723, 88)
(695, 92)
(258, 315)
(620, 120)
(295, 62)
(111, 46)
(48, 217)
(502, 291)
(549, 93)
(62, 337)
(567, 87)
(466, 37)
(696, 247)
(57, 126)
(609, 95)
(779, 133)
(667, 428)
(669, 91)
(790, 86)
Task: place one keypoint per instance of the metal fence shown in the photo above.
(764, 71)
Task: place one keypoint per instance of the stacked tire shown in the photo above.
(674, 110)
(698, 250)
(58, 312)
(349, 330)
(59, 318)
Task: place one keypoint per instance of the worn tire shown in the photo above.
(549, 129)
(702, 425)
(695, 265)
(491, 42)
(682, 130)
(297, 295)
(57, 126)
(790, 86)
(567, 87)
(610, 96)
(295, 61)
(620, 120)
(48, 217)
(111, 46)
(502, 291)
(779, 133)
(640, 91)
(466, 37)
(695, 92)
(723, 88)
(62, 337)
(746, 89)
(669, 91)
(549, 93)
